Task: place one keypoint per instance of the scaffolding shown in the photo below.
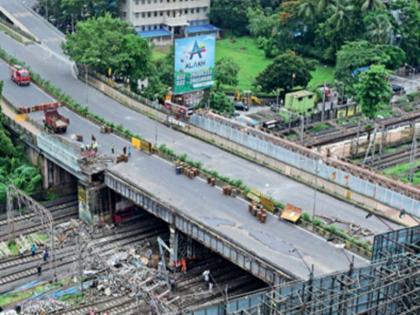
(390, 285)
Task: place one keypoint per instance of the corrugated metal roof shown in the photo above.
(201, 28)
(154, 33)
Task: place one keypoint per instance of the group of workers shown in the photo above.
(34, 249)
(93, 146)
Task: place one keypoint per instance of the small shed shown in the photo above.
(300, 102)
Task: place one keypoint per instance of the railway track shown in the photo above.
(392, 159)
(190, 285)
(341, 135)
(23, 269)
(29, 223)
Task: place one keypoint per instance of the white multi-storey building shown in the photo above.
(164, 20)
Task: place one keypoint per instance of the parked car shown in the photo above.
(397, 89)
(241, 106)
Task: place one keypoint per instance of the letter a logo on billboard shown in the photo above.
(197, 50)
(194, 63)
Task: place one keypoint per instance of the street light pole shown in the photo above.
(86, 85)
(323, 103)
(319, 162)
(46, 9)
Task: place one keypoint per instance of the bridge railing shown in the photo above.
(356, 179)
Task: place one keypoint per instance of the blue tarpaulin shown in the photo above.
(359, 70)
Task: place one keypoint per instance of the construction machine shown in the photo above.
(53, 121)
(20, 75)
(247, 98)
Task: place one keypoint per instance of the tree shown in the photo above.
(341, 24)
(7, 148)
(261, 24)
(110, 43)
(373, 90)
(308, 9)
(355, 55)
(221, 103)
(370, 5)
(226, 72)
(231, 14)
(409, 29)
(379, 28)
(396, 56)
(288, 70)
(66, 13)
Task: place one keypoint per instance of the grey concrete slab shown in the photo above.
(276, 241)
(269, 182)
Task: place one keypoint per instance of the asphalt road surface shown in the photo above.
(57, 70)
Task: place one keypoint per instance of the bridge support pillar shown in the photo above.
(54, 176)
(173, 244)
(92, 202)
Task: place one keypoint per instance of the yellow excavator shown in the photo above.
(247, 98)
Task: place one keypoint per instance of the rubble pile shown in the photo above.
(40, 307)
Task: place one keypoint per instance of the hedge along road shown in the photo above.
(280, 187)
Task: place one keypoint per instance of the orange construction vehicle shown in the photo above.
(53, 121)
(20, 75)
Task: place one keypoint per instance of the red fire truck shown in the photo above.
(20, 75)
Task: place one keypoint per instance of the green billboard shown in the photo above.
(194, 63)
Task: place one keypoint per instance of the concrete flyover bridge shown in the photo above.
(275, 252)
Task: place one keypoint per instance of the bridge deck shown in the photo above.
(279, 243)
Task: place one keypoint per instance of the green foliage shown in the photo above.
(261, 24)
(373, 90)
(66, 13)
(357, 54)
(396, 56)
(110, 43)
(379, 28)
(231, 14)
(221, 103)
(288, 70)
(226, 72)
(13, 168)
(409, 29)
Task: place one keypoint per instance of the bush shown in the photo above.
(306, 217)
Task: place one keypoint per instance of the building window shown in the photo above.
(186, 11)
(156, 13)
(161, 13)
(136, 15)
(149, 14)
(143, 15)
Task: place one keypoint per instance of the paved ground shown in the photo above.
(278, 186)
(39, 27)
(411, 83)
